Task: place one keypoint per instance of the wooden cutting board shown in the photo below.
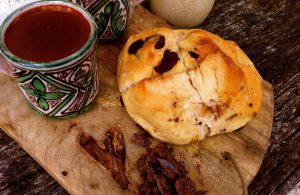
(223, 164)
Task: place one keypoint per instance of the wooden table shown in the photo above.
(269, 32)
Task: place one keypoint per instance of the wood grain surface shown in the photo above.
(268, 32)
(220, 164)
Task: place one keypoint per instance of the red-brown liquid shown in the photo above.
(47, 33)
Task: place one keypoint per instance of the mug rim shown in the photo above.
(56, 64)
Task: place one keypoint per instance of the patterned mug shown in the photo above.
(62, 88)
(111, 16)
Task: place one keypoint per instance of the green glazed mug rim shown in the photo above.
(52, 65)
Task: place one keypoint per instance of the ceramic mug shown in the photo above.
(111, 16)
(62, 88)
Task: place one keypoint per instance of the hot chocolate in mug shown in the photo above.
(52, 54)
(111, 17)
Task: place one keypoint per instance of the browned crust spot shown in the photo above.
(174, 119)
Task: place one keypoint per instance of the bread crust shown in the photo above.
(196, 85)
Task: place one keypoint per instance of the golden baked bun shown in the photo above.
(184, 85)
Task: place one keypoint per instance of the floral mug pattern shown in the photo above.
(61, 93)
(111, 16)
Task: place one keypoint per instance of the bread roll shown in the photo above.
(184, 85)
